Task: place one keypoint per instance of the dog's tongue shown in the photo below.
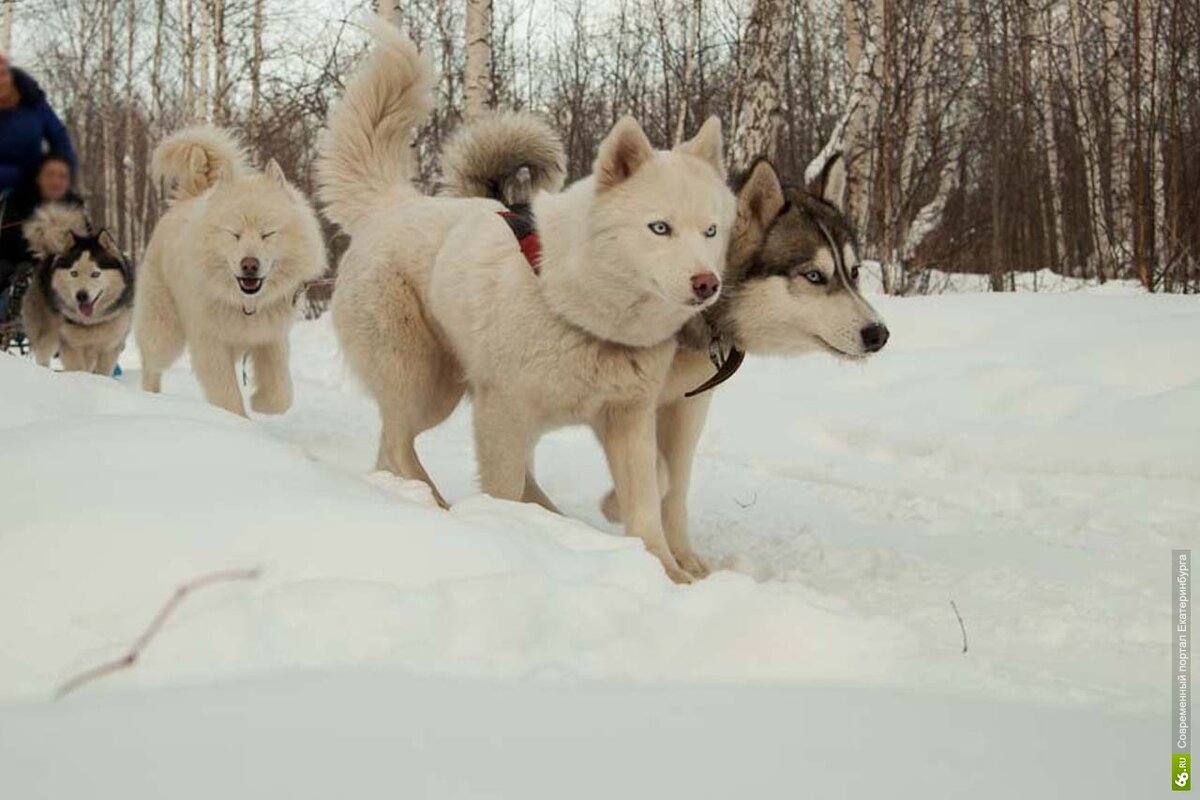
(85, 309)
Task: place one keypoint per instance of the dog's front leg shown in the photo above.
(627, 433)
(272, 379)
(213, 364)
(679, 428)
(73, 359)
(106, 361)
(503, 432)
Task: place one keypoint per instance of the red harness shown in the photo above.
(520, 220)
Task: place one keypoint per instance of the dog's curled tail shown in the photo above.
(364, 150)
(191, 161)
(53, 227)
(504, 155)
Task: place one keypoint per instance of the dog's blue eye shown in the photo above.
(659, 228)
(815, 277)
(711, 231)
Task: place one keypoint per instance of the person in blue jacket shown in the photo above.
(28, 128)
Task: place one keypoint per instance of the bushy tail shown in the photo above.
(192, 160)
(364, 150)
(504, 155)
(52, 228)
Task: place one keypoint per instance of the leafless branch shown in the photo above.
(961, 626)
(156, 625)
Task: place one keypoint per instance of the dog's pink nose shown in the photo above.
(250, 266)
(705, 285)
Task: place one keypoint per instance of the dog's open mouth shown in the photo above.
(87, 307)
(250, 285)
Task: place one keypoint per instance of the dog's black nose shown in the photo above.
(874, 337)
(81, 296)
(250, 266)
(705, 285)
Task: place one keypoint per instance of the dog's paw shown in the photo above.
(674, 572)
(271, 402)
(692, 564)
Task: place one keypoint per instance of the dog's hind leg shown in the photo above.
(534, 492)
(389, 347)
(213, 364)
(679, 427)
(272, 379)
(503, 435)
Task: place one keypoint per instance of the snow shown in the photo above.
(1031, 457)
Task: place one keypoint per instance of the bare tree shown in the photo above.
(768, 32)
(477, 83)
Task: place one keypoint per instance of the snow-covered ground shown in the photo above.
(1031, 457)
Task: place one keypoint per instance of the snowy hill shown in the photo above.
(1032, 458)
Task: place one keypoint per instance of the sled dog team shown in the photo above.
(618, 302)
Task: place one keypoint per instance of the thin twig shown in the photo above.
(961, 625)
(156, 625)
(753, 500)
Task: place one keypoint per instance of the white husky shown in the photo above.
(435, 297)
(222, 270)
(791, 287)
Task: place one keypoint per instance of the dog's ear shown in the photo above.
(106, 240)
(622, 152)
(707, 144)
(761, 197)
(275, 173)
(831, 185)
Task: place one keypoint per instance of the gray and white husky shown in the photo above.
(436, 295)
(790, 287)
(80, 303)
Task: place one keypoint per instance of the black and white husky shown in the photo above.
(80, 305)
(790, 287)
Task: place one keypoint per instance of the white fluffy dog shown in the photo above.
(222, 270)
(436, 297)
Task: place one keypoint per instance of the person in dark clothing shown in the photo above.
(51, 183)
(27, 126)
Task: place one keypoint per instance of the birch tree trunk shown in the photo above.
(154, 124)
(108, 153)
(1122, 191)
(690, 57)
(204, 93)
(187, 44)
(477, 88)
(1091, 154)
(1055, 229)
(220, 59)
(929, 217)
(129, 232)
(256, 60)
(6, 27)
(768, 33)
(850, 137)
